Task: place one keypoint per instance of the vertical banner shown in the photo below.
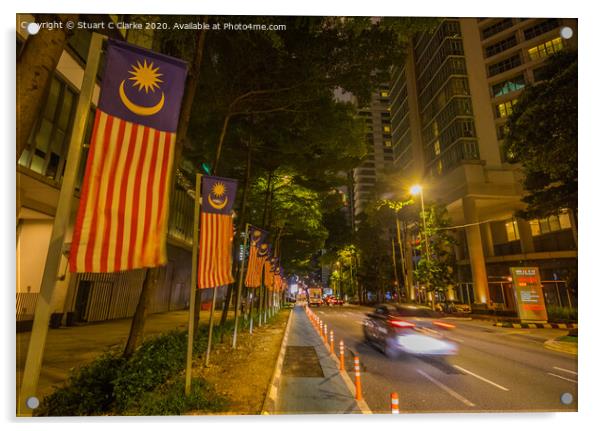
(258, 251)
(217, 231)
(121, 221)
(529, 294)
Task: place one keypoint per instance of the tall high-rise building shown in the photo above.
(449, 104)
(377, 117)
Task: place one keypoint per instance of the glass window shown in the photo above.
(505, 109)
(388, 143)
(47, 146)
(501, 46)
(535, 230)
(508, 86)
(504, 65)
(565, 220)
(545, 49)
(544, 225)
(497, 27)
(541, 28)
(384, 93)
(387, 128)
(554, 223)
(512, 230)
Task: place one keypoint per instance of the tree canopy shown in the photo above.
(542, 137)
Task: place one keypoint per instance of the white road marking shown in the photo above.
(446, 388)
(565, 370)
(563, 378)
(481, 378)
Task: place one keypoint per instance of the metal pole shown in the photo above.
(193, 282)
(397, 290)
(37, 341)
(426, 247)
(250, 311)
(239, 288)
(260, 305)
(210, 327)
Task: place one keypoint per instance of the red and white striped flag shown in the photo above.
(217, 232)
(121, 222)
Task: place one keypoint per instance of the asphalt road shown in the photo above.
(495, 370)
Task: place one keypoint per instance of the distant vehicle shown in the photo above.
(314, 297)
(453, 306)
(408, 329)
(333, 300)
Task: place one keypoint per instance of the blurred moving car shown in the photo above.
(333, 300)
(453, 306)
(408, 329)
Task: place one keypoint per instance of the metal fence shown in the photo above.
(556, 293)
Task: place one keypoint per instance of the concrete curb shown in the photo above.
(269, 402)
(561, 346)
(536, 325)
(361, 404)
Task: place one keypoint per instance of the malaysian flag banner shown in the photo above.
(121, 221)
(258, 251)
(217, 232)
(269, 274)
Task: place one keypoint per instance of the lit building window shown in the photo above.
(512, 230)
(384, 93)
(552, 223)
(545, 49)
(387, 128)
(437, 147)
(505, 109)
(388, 143)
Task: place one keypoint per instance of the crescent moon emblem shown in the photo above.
(218, 206)
(137, 109)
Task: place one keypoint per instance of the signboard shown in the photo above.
(529, 295)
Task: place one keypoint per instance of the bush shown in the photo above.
(88, 391)
(170, 399)
(111, 383)
(562, 314)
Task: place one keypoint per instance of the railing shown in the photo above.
(26, 305)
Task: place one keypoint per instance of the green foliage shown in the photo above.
(170, 400)
(561, 314)
(88, 391)
(112, 384)
(152, 364)
(542, 136)
(436, 269)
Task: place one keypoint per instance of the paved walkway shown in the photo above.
(310, 380)
(71, 347)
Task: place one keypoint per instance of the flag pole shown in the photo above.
(239, 288)
(260, 303)
(193, 284)
(211, 326)
(37, 341)
(250, 307)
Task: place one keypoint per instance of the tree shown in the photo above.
(542, 137)
(437, 269)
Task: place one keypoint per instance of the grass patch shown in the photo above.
(567, 339)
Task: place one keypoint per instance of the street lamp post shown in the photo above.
(415, 190)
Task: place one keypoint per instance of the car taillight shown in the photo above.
(401, 324)
(444, 325)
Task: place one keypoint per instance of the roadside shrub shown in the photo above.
(151, 365)
(562, 314)
(170, 399)
(88, 391)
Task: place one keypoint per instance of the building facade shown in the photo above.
(449, 104)
(83, 297)
(377, 118)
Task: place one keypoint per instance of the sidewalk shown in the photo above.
(310, 381)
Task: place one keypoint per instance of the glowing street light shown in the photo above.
(416, 189)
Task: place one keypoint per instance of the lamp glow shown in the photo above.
(416, 189)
